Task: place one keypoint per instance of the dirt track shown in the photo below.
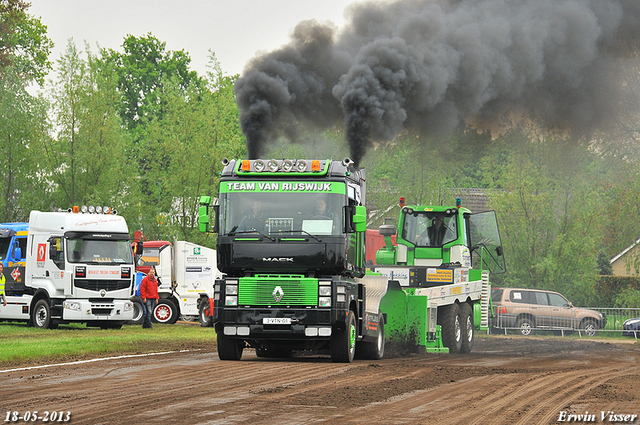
(506, 380)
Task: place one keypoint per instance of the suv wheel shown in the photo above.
(589, 327)
(525, 326)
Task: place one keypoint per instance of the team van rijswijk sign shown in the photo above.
(254, 186)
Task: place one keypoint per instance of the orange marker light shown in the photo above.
(315, 165)
(246, 165)
(76, 209)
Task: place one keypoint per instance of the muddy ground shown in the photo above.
(505, 380)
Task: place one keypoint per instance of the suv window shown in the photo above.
(558, 300)
(523, 297)
(541, 298)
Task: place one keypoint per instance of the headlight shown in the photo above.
(272, 165)
(301, 165)
(128, 306)
(231, 300)
(231, 290)
(72, 305)
(324, 301)
(258, 165)
(324, 291)
(341, 298)
(341, 290)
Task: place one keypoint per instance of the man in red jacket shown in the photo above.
(149, 295)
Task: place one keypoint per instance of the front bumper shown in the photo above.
(262, 324)
(85, 310)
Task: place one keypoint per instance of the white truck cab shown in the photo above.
(79, 268)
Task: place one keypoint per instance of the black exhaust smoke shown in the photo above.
(431, 65)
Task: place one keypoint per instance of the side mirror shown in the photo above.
(17, 252)
(387, 230)
(204, 218)
(360, 218)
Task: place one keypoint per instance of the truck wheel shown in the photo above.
(589, 327)
(466, 312)
(451, 323)
(137, 313)
(229, 349)
(41, 315)
(165, 312)
(373, 350)
(525, 326)
(205, 321)
(343, 344)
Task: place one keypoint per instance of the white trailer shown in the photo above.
(79, 267)
(187, 273)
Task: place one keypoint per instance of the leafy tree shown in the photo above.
(87, 159)
(604, 265)
(199, 127)
(549, 212)
(23, 120)
(24, 45)
(143, 68)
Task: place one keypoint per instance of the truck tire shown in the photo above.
(343, 343)
(138, 312)
(451, 322)
(165, 312)
(373, 350)
(41, 315)
(468, 329)
(229, 349)
(205, 321)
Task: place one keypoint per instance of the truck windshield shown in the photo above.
(4, 247)
(280, 213)
(92, 251)
(429, 229)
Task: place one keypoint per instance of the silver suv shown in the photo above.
(528, 309)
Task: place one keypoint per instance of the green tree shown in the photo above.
(143, 68)
(87, 161)
(24, 46)
(549, 212)
(23, 119)
(199, 127)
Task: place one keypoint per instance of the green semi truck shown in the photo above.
(291, 248)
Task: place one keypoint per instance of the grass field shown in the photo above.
(21, 345)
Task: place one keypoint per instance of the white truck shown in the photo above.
(186, 273)
(63, 267)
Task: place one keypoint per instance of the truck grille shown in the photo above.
(96, 285)
(294, 290)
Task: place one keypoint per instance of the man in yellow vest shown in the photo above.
(2, 281)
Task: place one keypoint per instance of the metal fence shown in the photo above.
(527, 320)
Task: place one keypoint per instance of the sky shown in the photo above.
(235, 30)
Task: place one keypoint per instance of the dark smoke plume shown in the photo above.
(433, 64)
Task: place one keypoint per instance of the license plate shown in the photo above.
(276, 321)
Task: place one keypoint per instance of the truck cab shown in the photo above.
(78, 268)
